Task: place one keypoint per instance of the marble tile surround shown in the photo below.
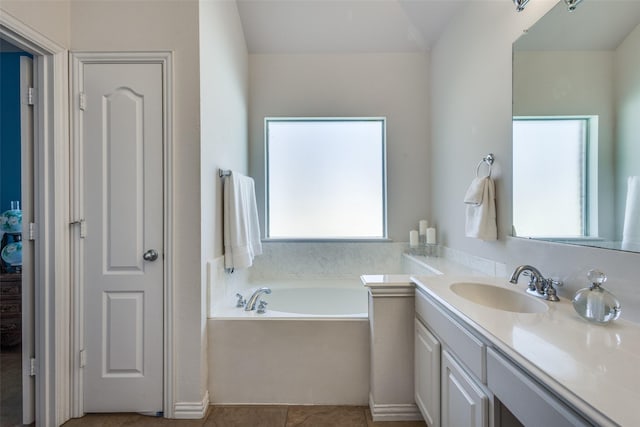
(327, 260)
(317, 260)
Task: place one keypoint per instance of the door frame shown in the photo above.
(77, 60)
(50, 214)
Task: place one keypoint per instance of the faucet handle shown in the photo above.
(262, 307)
(556, 283)
(241, 301)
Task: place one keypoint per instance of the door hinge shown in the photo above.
(31, 96)
(33, 231)
(32, 367)
(82, 98)
(83, 227)
(83, 358)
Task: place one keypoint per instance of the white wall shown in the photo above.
(50, 18)
(356, 85)
(471, 116)
(628, 109)
(224, 92)
(166, 25)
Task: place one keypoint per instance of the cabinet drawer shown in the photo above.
(526, 399)
(469, 349)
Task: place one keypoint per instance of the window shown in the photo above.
(550, 174)
(326, 178)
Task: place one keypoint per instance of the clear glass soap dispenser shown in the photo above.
(595, 303)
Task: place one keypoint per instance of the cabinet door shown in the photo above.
(464, 404)
(427, 374)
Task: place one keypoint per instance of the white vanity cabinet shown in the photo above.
(447, 393)
(461, 380)
(464, 403)
(427, 374)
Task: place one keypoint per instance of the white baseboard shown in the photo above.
(192, 410)
(394, 412)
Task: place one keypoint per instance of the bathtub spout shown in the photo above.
(251, 303)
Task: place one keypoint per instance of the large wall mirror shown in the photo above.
(576, 126)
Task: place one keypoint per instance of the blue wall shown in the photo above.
(10, 128)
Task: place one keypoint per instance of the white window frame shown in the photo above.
(383, 120)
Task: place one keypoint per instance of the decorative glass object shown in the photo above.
(595, 303)
(11, 220)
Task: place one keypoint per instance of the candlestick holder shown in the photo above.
(426, 250)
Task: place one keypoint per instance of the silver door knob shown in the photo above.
(150, 255)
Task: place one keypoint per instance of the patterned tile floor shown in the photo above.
(252, 416)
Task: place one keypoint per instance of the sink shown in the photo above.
(498, 298)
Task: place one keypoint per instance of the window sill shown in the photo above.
(311, 240)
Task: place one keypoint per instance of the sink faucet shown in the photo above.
(251, 303)
(538, 285)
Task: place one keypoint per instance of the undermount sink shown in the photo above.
(498, 298)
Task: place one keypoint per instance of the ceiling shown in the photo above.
(594, 25)
(344, 26)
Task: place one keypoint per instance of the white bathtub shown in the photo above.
(303, 299)
(310, 347)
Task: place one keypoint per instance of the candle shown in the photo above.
(431, 236)
(423, 226)
(413, 238)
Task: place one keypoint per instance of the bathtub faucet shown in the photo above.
(251, 303)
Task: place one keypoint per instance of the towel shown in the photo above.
(631, 228)
(481, 209)
(241, 225)
(475, 191)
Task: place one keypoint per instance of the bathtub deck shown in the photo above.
(251, 416)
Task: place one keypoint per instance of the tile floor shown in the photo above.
(252, 416)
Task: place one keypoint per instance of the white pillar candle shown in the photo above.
(413, 238)
(423, 226)
(431, 236)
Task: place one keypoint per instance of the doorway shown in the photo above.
(16, 257)
(44, 240)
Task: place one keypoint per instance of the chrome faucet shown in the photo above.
(538, 285)
(251, 303)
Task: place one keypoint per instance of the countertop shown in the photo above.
(596, 368)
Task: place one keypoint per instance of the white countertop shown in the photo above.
(596, 368)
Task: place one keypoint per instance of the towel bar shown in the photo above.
(488, 160)
(224, 172)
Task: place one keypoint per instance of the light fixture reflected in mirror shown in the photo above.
(520, 4)
(571, 4)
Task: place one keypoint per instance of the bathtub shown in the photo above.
(310, 347)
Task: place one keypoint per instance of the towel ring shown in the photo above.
(488, 160)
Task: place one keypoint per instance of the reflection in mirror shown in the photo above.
(576, 126)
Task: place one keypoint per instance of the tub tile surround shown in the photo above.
(294, 261)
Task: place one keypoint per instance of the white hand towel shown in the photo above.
(481, 217)
(241, 225)
(475, 191)
(631, 228)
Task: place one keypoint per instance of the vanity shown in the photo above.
(484, 362)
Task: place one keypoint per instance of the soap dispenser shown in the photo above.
(595, 303)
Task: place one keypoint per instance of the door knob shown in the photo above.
(150, 255)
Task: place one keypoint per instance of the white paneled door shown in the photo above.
(121, 108)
